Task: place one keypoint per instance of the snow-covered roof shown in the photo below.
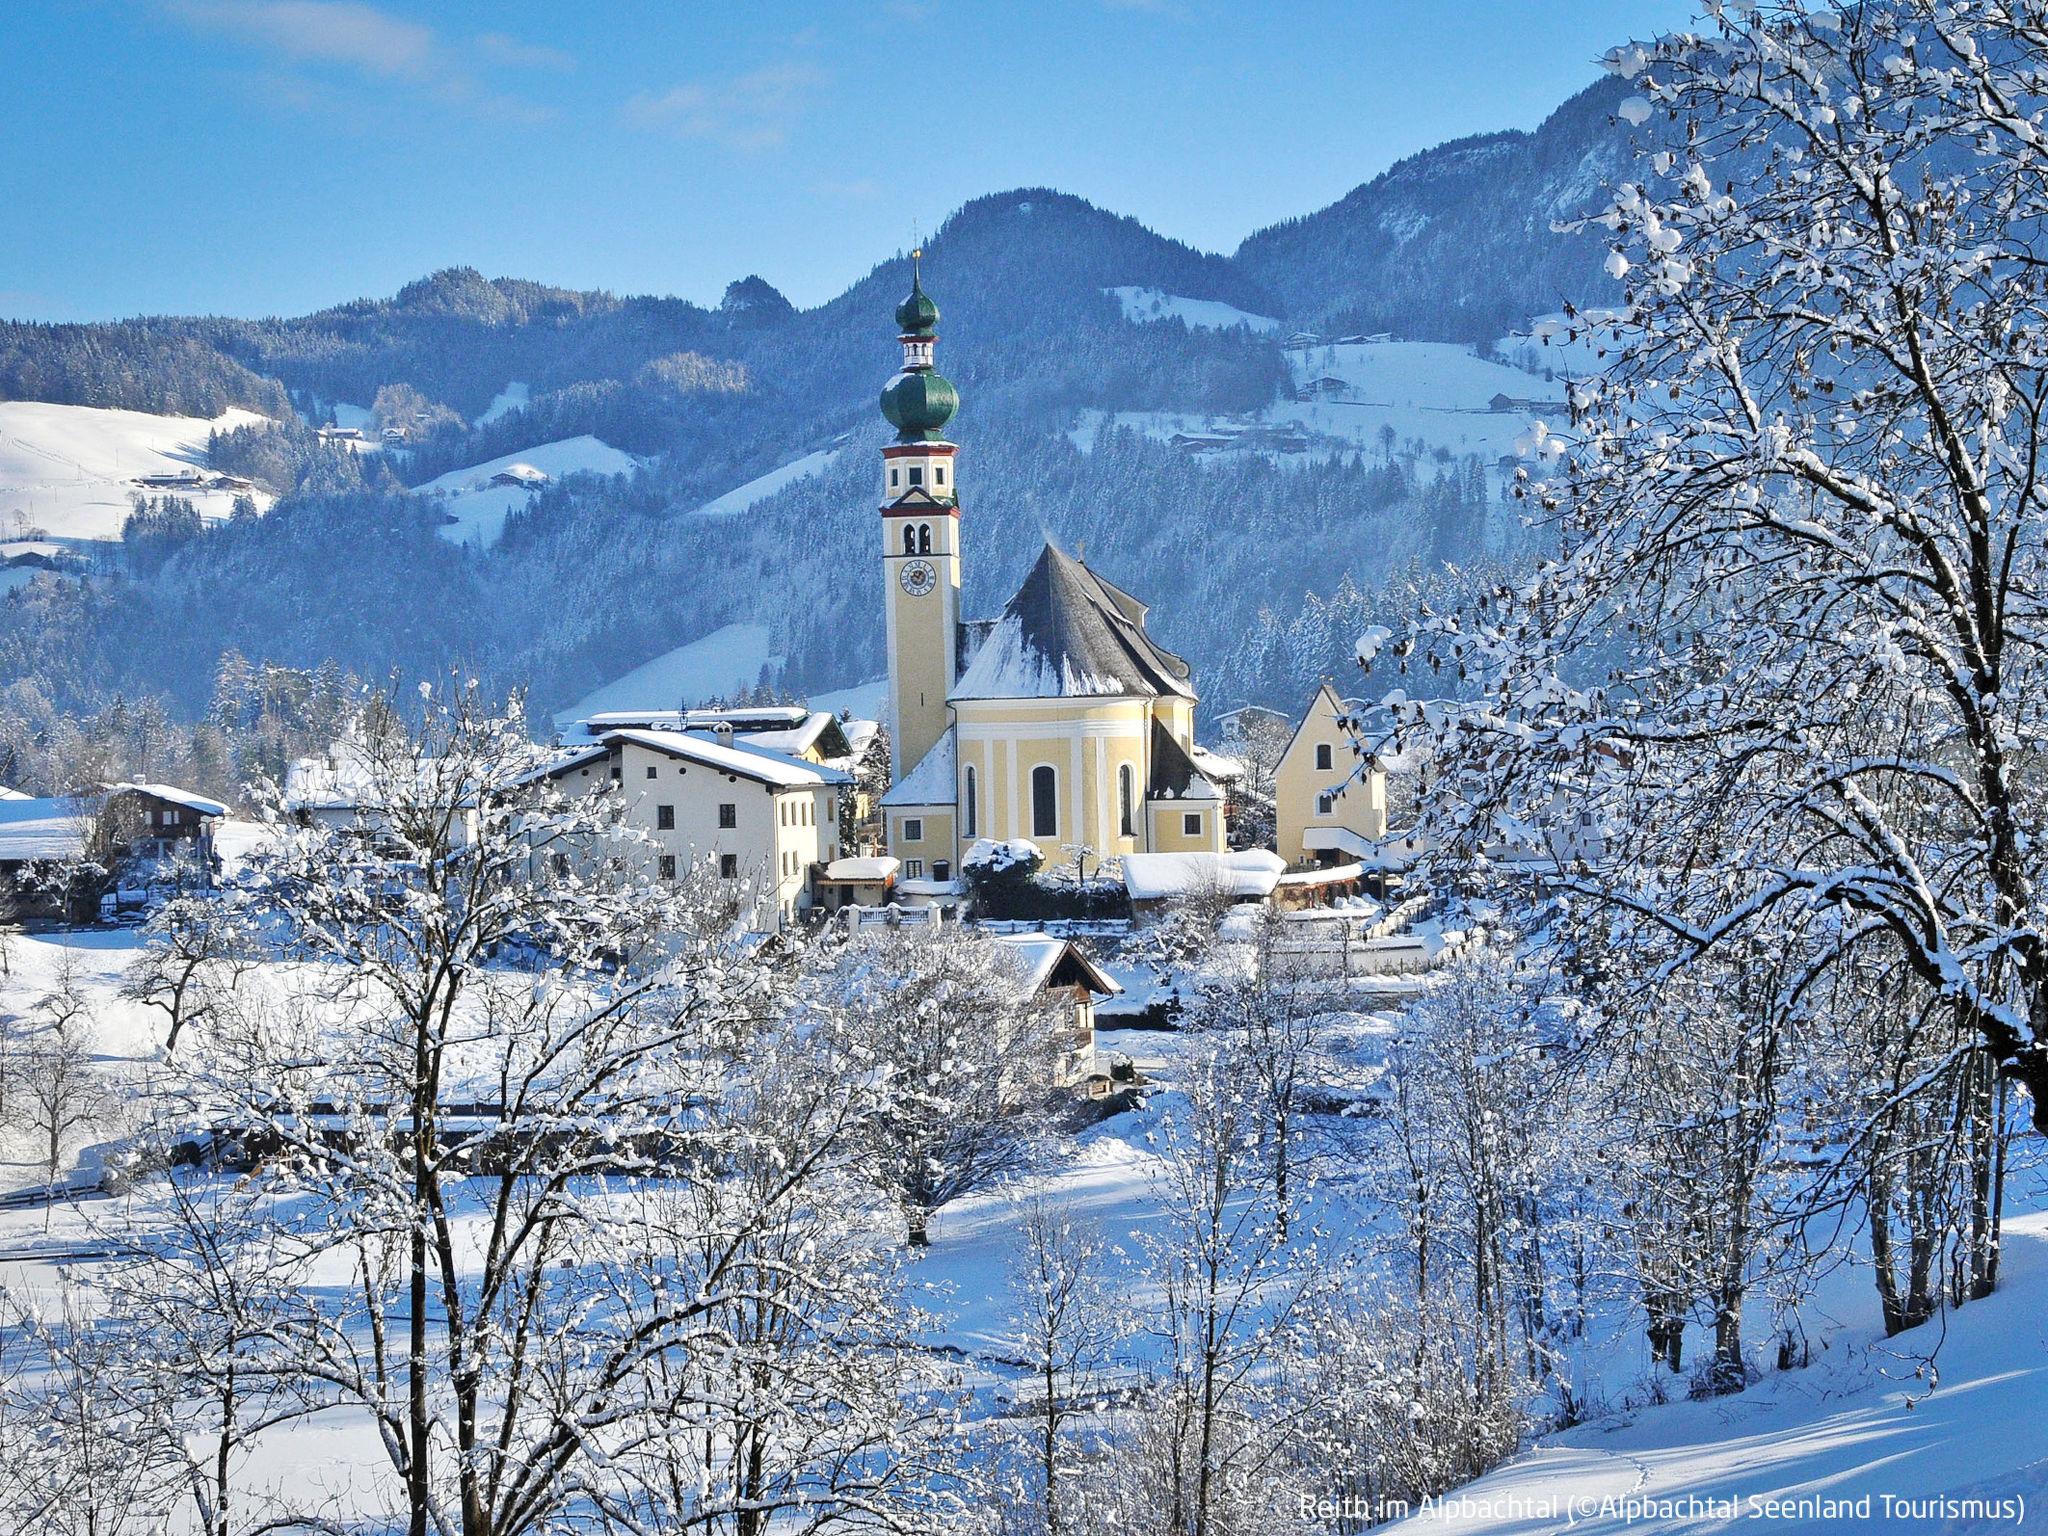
(1158, 876)
(1216, 766)
(932, 781)
(930, 887)
(1323, 874)
(555, 767)
(1039, 956)
(738, 757)
(1070, 634)
(42, 829)
(869, 869)
(175, 796)
(1339, 840)
(348, 778)
(780, 728)
(11, 794)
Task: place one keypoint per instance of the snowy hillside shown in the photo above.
(477, 509)
(741, 497)
(71, 469)
(1346, 397)
(1864, 1422)
(1143, 304)
(722, 662)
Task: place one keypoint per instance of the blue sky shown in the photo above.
(274, 156)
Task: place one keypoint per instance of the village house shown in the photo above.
(123, 825)
(1329, 808)
(1061, 722)
(761, 820)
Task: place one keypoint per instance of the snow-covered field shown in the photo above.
(1143, 304)
(864, 701)
(71, 469)
(479, 509)
(1429, 395)
(1867, 1418)
(722, 662)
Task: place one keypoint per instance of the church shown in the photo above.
(1061, 722)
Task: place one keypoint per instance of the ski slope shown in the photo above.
(515, 396)
(477, 509)
(741, 497)
(71, 469)
(722, 662)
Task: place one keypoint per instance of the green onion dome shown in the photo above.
(919, 403)
(917, 315)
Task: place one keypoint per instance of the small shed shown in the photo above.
(857, 882)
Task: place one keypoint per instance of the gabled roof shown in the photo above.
(171, 794)
(741, 759)
(1070, 634)
(1048, 961)
(43, 829)
(932, 781)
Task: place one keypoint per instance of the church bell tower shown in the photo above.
(920, 537)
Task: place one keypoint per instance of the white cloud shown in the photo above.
(755, 110)
(305, 39)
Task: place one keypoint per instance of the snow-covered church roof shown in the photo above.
(932, 781)
(1070, 634)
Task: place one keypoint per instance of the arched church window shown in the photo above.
(1045, 801)
(924, 538)
(909, 539)
(968, 806)
(1126, 799)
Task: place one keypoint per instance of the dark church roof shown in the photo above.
(1174, 774)
(1070, 634)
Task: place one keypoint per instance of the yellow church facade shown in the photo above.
(1061, 722)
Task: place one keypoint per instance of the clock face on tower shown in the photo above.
(918, 577)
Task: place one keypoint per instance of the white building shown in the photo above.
(763, 820)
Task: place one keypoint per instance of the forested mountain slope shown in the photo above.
(1456, 244)
(1256, 560)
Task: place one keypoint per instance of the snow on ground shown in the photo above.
(479, 509)
(1859, 1423)
(515, 396)
(742, 497)
(864, 701)
(361, 417)
(722, 662)
(1556, 344)
(70, 469)
(1143, 304)
(1436, 394)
